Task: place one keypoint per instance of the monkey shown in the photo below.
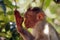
(35, 18)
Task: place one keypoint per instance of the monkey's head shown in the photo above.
(32, 16)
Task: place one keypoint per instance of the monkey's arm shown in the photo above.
(24, 33)
(53, 33)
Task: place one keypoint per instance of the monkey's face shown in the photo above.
(32, 17)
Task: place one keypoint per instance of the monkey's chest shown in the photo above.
(41, 33)
(42, 37)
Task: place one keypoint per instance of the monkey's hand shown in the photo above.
(19, 20)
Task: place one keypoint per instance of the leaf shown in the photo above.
(47, 3)
(10, 12)
(6, 19)
(9, 4)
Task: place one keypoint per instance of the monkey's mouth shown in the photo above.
(29, 23)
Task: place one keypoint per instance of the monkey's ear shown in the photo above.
(40, 16)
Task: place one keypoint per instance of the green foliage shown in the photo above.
(47, 3)
(9, 4)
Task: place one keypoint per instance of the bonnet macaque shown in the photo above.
(35, 18)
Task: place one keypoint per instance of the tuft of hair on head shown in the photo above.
(37, 9)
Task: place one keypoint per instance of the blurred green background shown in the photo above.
(7, 21)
